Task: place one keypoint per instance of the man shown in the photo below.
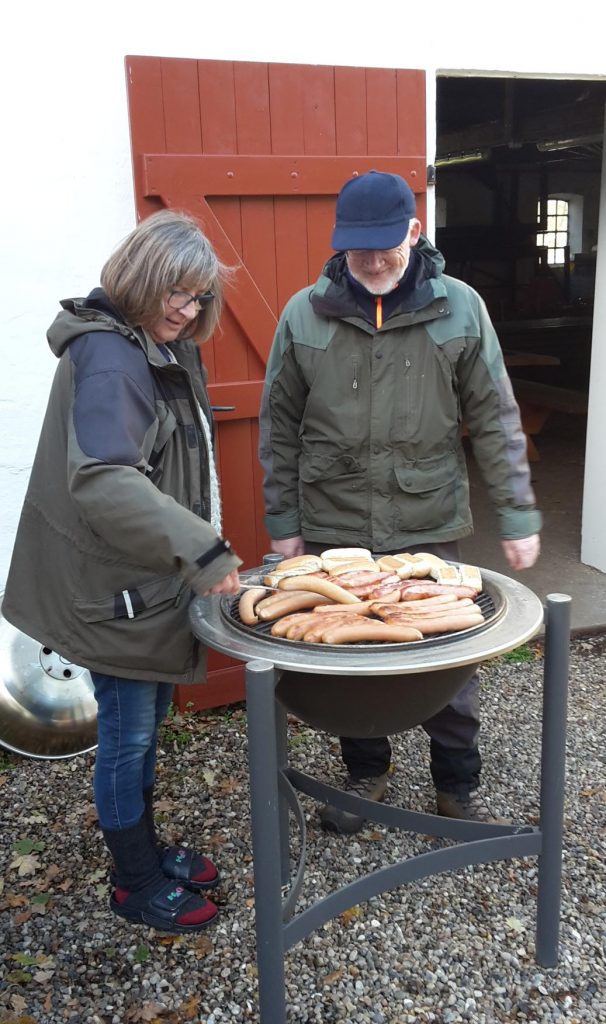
(372, 373)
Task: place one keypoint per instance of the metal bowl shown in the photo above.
(47, 704)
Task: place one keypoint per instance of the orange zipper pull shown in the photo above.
(379, 311)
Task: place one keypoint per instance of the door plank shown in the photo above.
(257, 153)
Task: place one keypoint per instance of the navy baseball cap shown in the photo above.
(373, 212)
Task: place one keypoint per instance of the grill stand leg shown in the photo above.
(268, 821)
(553, 761)
(282, 755)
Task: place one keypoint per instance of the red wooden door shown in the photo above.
(257, 154)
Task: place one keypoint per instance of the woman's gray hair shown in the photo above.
(167, 250)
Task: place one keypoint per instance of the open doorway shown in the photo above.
(517, 196)
(518, 178)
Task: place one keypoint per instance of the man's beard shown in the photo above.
(377, 290)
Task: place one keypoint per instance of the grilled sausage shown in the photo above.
(440, 623)
(420, 590)
(284, 604)
(318, 586)
(366, 630)
(385, 592)
(297, 630)
(313, 634)
(362, 608)
(281, 626)
(246, 605)
(427, 607)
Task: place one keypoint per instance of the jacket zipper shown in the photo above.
(408, 392)
(354, 383)
(197, 411)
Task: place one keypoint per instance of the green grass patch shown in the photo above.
(519, 655)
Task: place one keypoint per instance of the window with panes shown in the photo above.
(555, 237)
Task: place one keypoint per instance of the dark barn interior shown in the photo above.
(507, 150)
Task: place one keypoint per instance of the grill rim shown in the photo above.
(522, 621)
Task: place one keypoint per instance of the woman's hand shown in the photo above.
(229, 585)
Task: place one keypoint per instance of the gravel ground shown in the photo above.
(458, 947)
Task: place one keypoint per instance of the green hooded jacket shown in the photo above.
(114, 536)
(361, 427)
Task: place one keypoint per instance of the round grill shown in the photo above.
(490, 601)
(373, 689)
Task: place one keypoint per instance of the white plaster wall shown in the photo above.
(65, 178)
(593, 546)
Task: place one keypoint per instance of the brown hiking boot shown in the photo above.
(333, 819)
(472, 807)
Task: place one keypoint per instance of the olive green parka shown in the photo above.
(362, 426)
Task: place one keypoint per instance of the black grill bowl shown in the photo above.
(370, 705)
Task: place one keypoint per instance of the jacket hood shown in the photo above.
(83, 315)
(334, 294)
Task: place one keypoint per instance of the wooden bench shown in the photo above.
(537, 401)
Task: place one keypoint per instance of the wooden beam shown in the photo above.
(188, 174)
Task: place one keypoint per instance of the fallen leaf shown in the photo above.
(13, 900)
(146, 1012)
(26, 865)
(42, 976)
(22, 918)
(227, 786)
(18, 978)
(592, 791)
(52, 871)
(208, 776)
(41, 899)
(29, 845)
(169, 940)
(515, 924)
(189, 1009)
(329, 979)
(90, 815)
(18, 1003)
(202, 946)
(164, 805)
(349, 915)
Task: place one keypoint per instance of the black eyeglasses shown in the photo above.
(180, 300)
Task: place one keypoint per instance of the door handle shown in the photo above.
(223, 408)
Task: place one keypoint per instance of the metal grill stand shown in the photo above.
(274, 788)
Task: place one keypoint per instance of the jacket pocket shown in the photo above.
(167, 424)
(427, 493)
(333, 492)
(133, 603)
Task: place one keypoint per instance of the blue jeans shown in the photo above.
(129, 714)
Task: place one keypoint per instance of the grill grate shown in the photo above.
(491, 605)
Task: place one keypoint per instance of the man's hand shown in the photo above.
(229, 585)
(522, 554)
(289, 548)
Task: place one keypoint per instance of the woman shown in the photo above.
(121, 522)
